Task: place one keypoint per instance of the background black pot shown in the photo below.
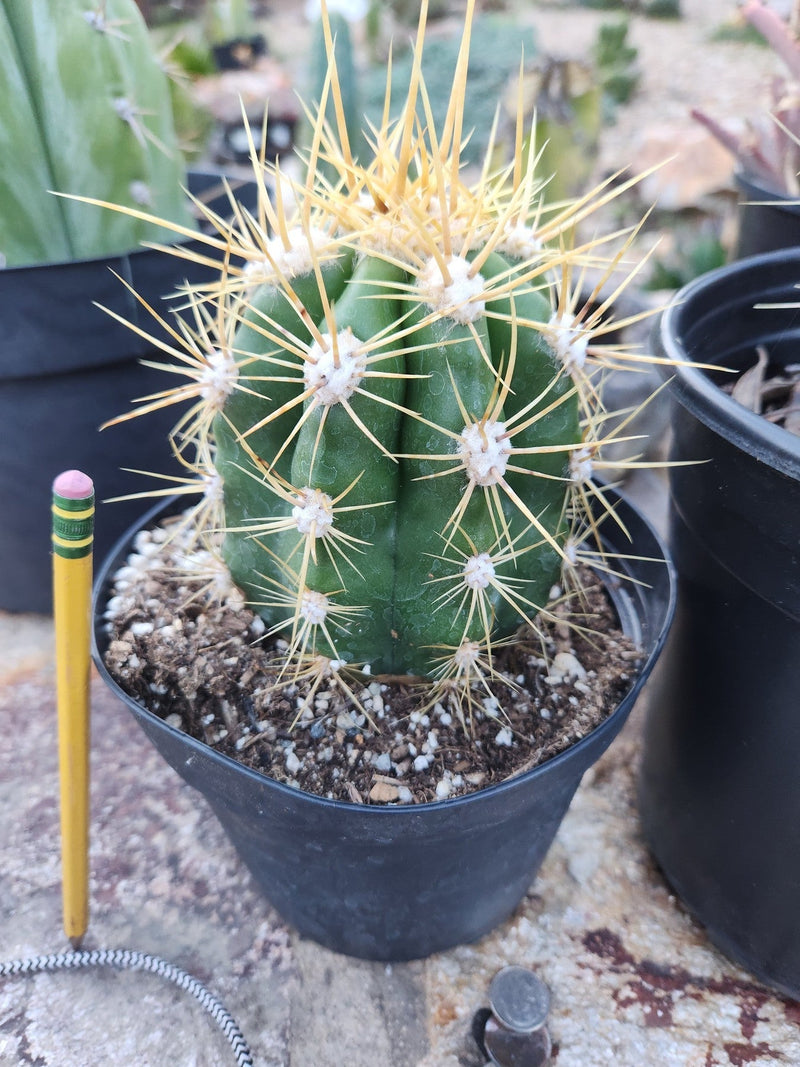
(720, 782)
(239, 53)
(768, 219)
(395, 883)
(65, 368)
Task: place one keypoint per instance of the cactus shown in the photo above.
(390, 388)
(86, 110)
(229, 20)
(336, 28)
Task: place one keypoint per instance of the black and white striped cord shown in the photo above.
(124, 959)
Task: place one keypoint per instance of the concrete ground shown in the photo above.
(634, 981)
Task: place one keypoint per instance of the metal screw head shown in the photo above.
(519, 1000)
(506, 1048)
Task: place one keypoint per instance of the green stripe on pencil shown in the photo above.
(73, 519)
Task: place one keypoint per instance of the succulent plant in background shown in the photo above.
(768, 149)
(229, 20)
(231, 30)
(395, 417)
(86, 110)
(616, 61)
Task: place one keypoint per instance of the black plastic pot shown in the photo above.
(720, 779)
(239, 53)
(65, 368)
(768, 219)
(397, 883)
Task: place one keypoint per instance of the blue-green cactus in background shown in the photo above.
(85, 111)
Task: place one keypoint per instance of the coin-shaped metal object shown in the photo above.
(519, 999)
(508, 1049)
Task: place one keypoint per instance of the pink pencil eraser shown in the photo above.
(73, 485)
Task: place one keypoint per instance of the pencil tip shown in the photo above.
(76, 942)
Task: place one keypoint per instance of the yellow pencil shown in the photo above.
(73, 527)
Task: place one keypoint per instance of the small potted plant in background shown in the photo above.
(767, 148)
(393, 426)
(86, 109)
(233, 35)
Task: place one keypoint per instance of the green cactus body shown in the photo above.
(86, 111)
(386, 581)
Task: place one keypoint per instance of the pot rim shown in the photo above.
(771, 195)
(196, 177)
(623, 596)
(52, 317)
(696, 391)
